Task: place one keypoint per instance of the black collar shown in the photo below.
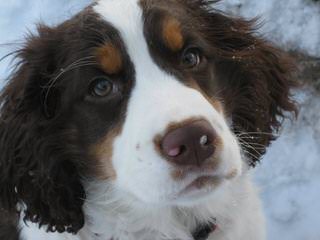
(203, 231)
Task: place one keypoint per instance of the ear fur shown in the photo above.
(256, 78)
(37, 172)
(8, 226)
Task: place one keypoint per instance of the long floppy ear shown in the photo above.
(254, 77)
(39, 156)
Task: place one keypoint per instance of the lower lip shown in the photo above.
(202, 183)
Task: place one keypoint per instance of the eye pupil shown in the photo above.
(101, 87)
(191, 58)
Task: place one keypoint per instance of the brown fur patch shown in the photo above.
(109, 58)
(172, 33)
(103, 152)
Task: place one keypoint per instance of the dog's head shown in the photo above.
(164, 100)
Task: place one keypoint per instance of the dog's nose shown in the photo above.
(189, 145)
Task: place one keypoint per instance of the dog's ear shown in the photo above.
(39, 156)
(254, 78)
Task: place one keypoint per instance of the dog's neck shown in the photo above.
(112, 216)
(165, 223)
(202, 232)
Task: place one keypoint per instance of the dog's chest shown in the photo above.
(201, 233)
(144, 230)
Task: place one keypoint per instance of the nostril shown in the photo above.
(174, 152)
(204, 140)
(177, 151)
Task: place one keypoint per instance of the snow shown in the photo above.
(289, 176)
(291, 24)
(18, 17)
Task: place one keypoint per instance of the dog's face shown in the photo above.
(163, 100)
(154, 150)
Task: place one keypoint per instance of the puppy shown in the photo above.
(139, 120)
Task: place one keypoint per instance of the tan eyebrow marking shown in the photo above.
(172, 33)
(109, 58)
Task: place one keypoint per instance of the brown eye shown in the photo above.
(101, 87)
(191, 58)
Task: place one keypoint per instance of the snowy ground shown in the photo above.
(289, 176)
(293, 24)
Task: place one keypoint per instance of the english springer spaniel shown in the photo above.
(140, 120)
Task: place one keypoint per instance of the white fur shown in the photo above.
(144, 203)
(235, 206)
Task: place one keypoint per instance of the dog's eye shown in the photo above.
(101, 87)
(191, 58)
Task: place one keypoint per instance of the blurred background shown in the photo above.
(289, 175)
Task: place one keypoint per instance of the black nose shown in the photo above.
(189, 145)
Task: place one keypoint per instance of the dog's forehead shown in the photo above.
(127, 17)
(122, 14)
(133, 24)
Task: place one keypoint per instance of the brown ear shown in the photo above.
(36, 170)
(254, 78)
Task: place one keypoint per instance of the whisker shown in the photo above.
(252, 147)
(52, 83)
(64, 70)
(249, 137)
(245, 144)
(257, 144)
(256, 133)
(252, 155)
(77, 64)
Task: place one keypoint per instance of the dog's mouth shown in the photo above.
(203, 183)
